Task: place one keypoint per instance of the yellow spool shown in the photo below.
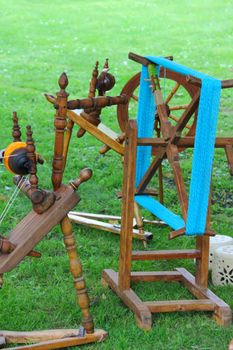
(9, 151)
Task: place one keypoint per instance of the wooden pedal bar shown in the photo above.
(151, 276)
(181, 305)
(165, 254)
(104, 226)
(34, 227)
(97, 336)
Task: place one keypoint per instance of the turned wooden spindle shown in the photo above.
(41, 199)
(75, 264)
(16, 133)
(93, 82)
(60, 125)
(76, 271)
(93, 112)
(36, 196)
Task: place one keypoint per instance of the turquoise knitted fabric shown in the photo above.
(203, 147)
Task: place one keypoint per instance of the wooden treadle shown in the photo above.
(34, 227)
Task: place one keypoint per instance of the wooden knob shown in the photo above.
(6, 247)
(85, 174)
(63, 81)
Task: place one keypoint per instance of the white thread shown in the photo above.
(12, 199)
(12, 155)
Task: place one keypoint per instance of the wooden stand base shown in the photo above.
(206, 300)
(53, 339)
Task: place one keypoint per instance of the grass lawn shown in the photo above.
(40, 40)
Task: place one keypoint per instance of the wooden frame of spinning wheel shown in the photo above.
(120, 282)
(38, 223)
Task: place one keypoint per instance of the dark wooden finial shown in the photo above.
(31, 155)
(63, 81)
(16, 133)
(85, 174)
(106, 66)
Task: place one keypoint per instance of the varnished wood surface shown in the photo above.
(180, 305)
(155, 276)
(127, 205)
(34, 227)
(98, 335)
(165, 254)
(107, 226)
(129, 298)
(93, 130)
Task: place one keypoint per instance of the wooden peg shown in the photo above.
(93, 82)
(94, 115)
(85, 174)
(16, 133)
(106, 66)
(6, 247)
(105, 81)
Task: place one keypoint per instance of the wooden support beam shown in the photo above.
(164, 276)
(128, 296)
(127, 205)
(165, 254)
(222, 313)
(143, 60)
(225, 84)
(180, 305)
(93, 130)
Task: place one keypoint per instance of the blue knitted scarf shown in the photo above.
(203, 148)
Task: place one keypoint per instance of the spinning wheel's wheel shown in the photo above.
(177, 94)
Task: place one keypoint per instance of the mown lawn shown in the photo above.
(40, 40)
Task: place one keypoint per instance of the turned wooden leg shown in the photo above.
(76, 270)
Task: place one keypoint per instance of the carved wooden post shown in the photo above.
(41, 199)
(31, 155)
(93, 82)
(91, 94)
(16, 133)
(60, 125)
(76, 270)
(75, 264)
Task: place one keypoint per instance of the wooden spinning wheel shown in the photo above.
(178, 94)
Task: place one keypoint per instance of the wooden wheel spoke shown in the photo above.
(172, 93)
(177, 108)
(177, 119)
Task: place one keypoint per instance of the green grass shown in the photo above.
(40, 40)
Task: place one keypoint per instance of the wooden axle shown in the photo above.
(97, 102)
